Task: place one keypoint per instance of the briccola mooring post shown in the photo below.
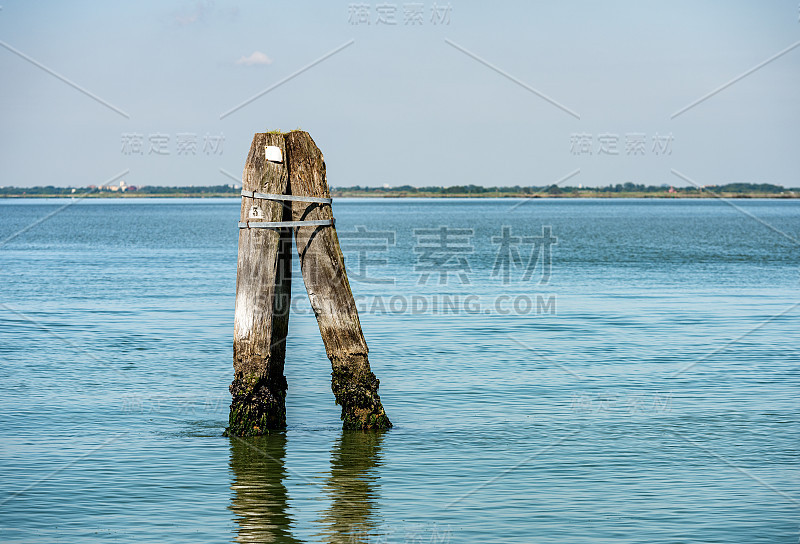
(285, 190)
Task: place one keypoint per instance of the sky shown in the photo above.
(403, 93)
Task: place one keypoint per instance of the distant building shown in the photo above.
(114, 188)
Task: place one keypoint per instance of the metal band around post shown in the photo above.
(280, 224)
(293, 198)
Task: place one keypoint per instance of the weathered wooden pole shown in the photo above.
(322, 264)
(294, 191)
(263, 297)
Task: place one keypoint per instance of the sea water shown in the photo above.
(557, 370)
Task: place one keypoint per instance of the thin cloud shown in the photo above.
(202, 11)
(255, 58)
(192, 15)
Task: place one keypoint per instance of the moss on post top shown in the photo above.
(284, 133)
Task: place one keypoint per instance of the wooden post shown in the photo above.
(322, 264)
(263, 290)
(263, 297)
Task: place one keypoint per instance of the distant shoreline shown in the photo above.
(619, 190)
(391, 194)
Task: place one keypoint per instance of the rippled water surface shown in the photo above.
(644, 391)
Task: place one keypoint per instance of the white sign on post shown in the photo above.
(273, 153)
(256, 212)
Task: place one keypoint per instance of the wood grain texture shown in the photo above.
(322, 264)
(263, 294)
(263, 297)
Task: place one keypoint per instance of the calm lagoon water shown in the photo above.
(644, 390)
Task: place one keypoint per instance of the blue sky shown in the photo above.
(403, 103)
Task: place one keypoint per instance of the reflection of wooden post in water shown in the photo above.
(260, 498)
(352, 488)
(285, 187)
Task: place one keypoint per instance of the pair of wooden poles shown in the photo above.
(284, 181)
